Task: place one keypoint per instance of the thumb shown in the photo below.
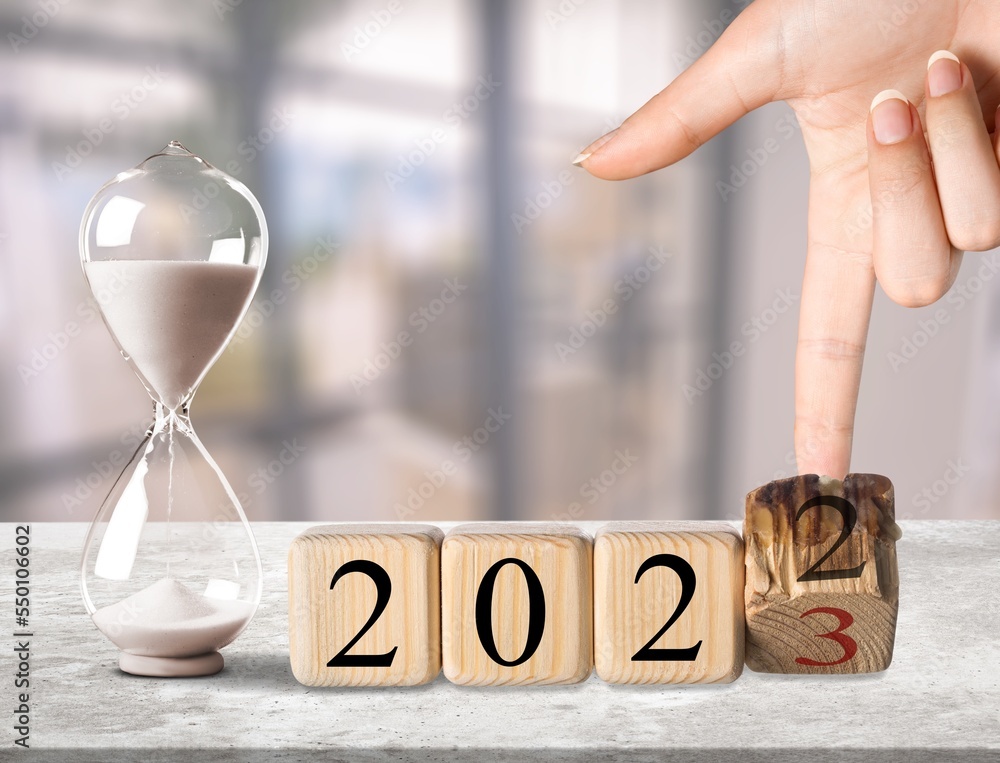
(739, 73)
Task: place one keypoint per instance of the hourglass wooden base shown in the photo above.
(171, 667)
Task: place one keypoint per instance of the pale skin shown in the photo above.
(879, 207)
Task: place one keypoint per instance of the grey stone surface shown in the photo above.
(940, 699)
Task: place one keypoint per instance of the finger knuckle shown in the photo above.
(903, 182)
(813, 431)
(950, 132)
(832, 349)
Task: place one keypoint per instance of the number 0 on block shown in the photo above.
(516, 604)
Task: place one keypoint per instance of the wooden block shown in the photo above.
(364, 605)
(668, 602)
(516, 604)
(822, 586)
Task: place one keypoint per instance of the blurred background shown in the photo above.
(454, 322)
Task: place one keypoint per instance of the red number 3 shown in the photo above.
(848, 644)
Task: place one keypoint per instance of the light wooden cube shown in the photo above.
(822, 585)
(668, 603)
(364, 605)
(516, 604)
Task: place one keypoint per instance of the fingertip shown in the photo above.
(938, 55)
(829, 459)
(824, 468)
(618, 156)
(892, 117)
(594, 148)
(885, 95)
(916, 292)
(945, 74)
(730, 79)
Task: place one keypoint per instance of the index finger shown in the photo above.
(837, 293)
(740, 72)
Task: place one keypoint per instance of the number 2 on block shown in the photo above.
(849, 645)
(688, 581)
(850, 516)
(383, 588)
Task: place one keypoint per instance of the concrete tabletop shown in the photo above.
(940, 699)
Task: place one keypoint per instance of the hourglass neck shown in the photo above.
(165, 418)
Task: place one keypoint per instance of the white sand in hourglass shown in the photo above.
(171, 318)
(167, 619)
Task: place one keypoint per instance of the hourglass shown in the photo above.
(173, 249)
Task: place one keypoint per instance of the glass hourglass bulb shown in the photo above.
(173, 251)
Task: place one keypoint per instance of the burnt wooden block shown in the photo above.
(822, 585)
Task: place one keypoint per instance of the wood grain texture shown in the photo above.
(561, 556)
(321, 621)
(781, 549)
(628, 613)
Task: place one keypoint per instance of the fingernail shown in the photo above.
(592, 148)
(944, 74)
(891, 118)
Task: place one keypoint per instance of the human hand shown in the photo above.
(878, 207)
